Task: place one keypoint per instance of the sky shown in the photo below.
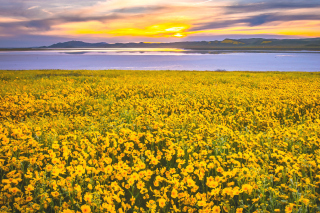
(31, 23)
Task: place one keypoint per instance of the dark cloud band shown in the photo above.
(270, 5)
(255, 21)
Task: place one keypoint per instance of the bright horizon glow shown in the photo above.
(156, 31)
(155, 21)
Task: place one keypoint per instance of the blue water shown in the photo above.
(157, 59)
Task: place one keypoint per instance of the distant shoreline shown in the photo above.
(260, 49)
(190, 49)
(259, 44)
(20, 49)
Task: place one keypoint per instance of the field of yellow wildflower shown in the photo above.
(139, 141)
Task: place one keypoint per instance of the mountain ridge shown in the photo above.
(249, 43)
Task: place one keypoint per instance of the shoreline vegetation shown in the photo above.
(166, 141)
(226, 44)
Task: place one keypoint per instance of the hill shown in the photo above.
(232, 44)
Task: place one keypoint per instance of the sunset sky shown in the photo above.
(26, 23)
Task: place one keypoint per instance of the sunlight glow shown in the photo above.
(178, 35)
(157, 30)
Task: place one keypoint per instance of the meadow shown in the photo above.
(159, 141)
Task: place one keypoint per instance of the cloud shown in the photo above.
(40, 9)
(203, 2)
(46, 11)
(266, 18)
(142, 9)
(33, 7)
(254, 21)
(109, 17)
(120, 15)
(270, 5)
(46, 24)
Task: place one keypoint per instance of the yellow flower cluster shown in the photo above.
(133, 141)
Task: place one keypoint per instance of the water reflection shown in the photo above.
(159, 51)
(160, 59)
(117, 50)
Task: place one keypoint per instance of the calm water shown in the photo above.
(160, 59)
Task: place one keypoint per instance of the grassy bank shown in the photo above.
(140, 141)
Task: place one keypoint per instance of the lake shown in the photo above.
(160, 59)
